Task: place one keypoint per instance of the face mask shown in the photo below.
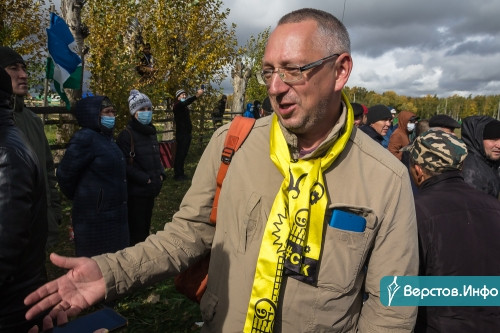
(108, 121)
(410, 127)
(183, 99)
(144, 117)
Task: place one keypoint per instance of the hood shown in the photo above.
(472, 133)
(87, 112)
(403, 119)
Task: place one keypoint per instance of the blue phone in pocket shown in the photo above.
(347, 221)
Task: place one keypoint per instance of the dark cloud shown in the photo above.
(411, 47)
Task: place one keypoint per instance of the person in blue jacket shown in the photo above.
(249, 111)
(92, 174)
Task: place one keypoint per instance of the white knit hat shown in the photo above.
(137, 101)
(178, 92)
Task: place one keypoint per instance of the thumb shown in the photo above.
(63, 262)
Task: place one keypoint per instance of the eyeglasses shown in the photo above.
(290, 73)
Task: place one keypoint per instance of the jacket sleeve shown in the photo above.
(182, 242)
(134, 173)
(398, 230)
(395, 145)
(186, 102)
(17, 183)
(76, 159)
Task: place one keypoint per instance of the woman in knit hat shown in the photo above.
(145, 173)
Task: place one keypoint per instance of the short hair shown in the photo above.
(427, 172)
(422, 126)
(332, 31)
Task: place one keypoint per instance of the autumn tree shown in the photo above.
(244, 69)
(190, 42)
(22, 27)
(254, 53)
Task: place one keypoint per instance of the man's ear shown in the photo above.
(343, 68)
(419, 175)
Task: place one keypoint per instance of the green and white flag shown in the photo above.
(64, 66)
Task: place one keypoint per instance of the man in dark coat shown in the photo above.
(458, 230)
(92, 174)
(32, 127)
(183, 129)
(23, 218)
(481, 169)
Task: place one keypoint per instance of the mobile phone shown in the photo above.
(104, 318)
(202, 87)
(347, 221)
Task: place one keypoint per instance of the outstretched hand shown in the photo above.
(82, 286)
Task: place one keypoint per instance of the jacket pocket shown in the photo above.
(250, 220)
(345, 252)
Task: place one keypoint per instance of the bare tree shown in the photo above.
(240, 75)
(71, 12)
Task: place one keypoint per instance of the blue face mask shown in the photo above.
(183, 99)
(108, 121)
(145, 117)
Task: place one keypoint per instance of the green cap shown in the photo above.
(438, 151)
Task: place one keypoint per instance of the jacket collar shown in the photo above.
(445, 177)
(292, 140)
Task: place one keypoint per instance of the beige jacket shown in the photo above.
(365, 179)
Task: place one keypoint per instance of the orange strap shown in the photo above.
(238, 131)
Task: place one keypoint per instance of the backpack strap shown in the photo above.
(238, 131)
(131, 154)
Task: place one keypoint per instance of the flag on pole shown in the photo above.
(64, 66)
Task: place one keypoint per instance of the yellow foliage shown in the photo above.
(22, 27)
(190, 43)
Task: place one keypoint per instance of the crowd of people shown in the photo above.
(314, 211)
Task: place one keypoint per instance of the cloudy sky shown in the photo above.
(414, 48)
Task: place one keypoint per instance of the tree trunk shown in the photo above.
(71, 13)
(240, 75)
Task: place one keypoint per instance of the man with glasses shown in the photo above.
(301, 236)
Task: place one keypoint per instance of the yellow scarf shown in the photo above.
(291, 244)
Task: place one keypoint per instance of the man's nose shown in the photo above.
(276, 85)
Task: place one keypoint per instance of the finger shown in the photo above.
(34, 329)
(42, 292)
(44, 304)
(63, 262)
(48, 323)
(62, 318)
(101, 330)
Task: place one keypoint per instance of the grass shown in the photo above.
(158, 308)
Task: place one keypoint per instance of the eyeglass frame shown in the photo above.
(301, 69)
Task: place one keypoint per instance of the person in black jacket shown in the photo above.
(145, 173)
(458, 230)
(378, 122)
(92, 174)
(183, 129)
(218, 114)
(481, 170)
(23, 218)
